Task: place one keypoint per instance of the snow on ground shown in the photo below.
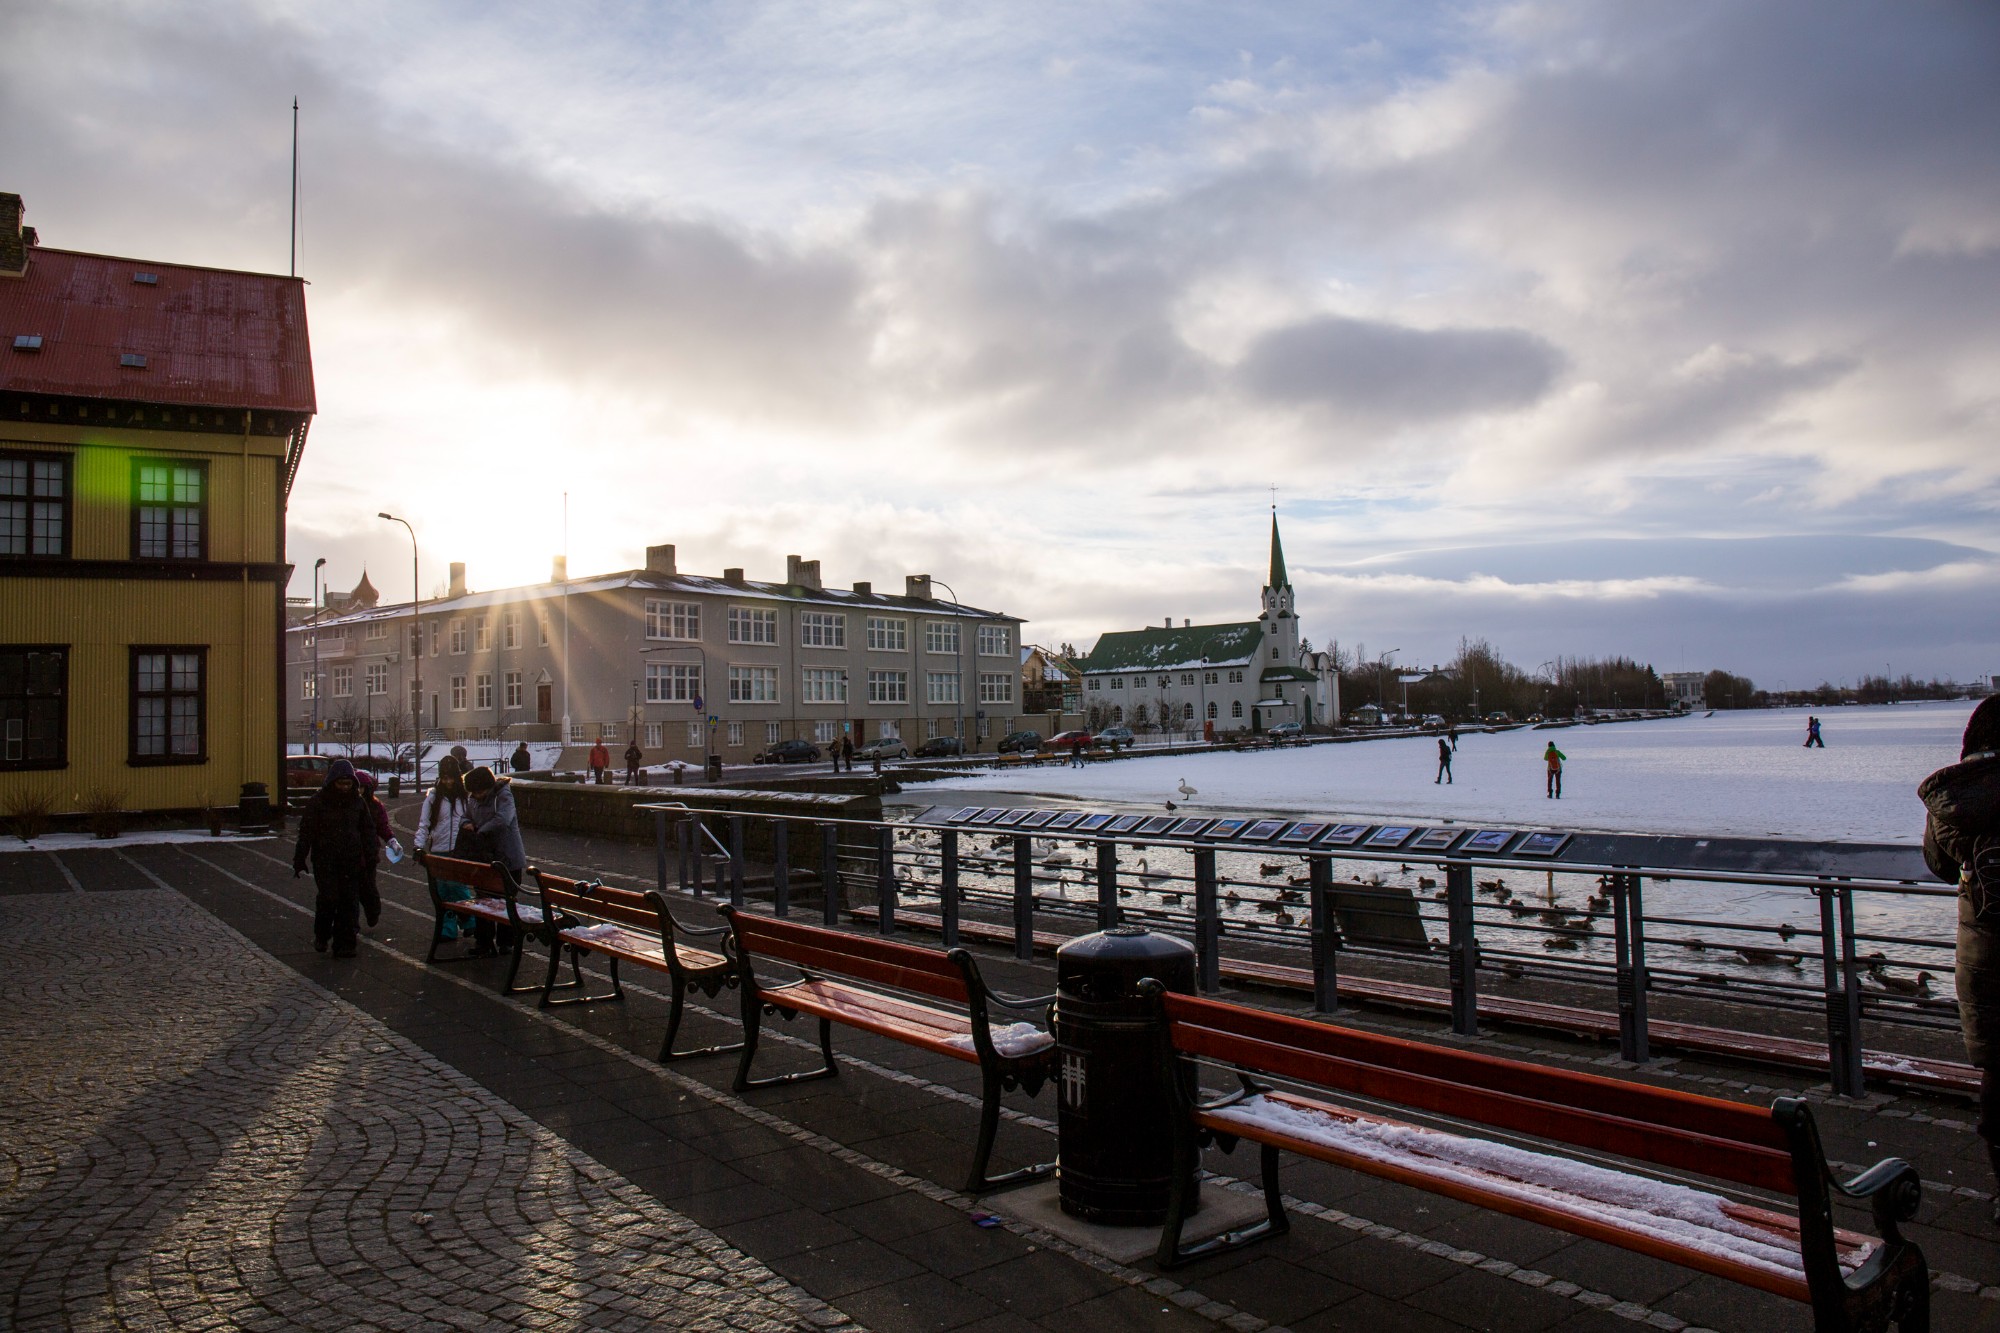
(1739, 773)
(493, 754)
(88, 842)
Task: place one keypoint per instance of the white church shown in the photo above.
(1248, 676)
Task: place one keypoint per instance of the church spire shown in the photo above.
(1279, 579)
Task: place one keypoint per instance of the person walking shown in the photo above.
(385, 836)
(635, 759)
(1553, 759)
(438, 820)
(337, 836)
(600, 760)
(491, 818)
(1962, 846)
(847, 750)
(521, 760)
(1444, 761)
(1812, 734)
(1076, 754)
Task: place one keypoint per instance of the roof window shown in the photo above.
(27, 342)
(136, 360)
(146, 279)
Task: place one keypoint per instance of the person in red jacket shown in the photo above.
(600, 759)
(371, 893)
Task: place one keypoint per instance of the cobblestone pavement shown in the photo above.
(257, 1153)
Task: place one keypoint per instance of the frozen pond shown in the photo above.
(1742, 773)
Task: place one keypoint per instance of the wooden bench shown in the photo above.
(496, 898)
(630, 926)
(1851, 1281)
(932, 1000)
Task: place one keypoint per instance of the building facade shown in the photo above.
(686, 664)
(152, 417)
(1685, 689)
(1247, 676)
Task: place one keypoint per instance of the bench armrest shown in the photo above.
(1021, 1002)
(1894, 1192)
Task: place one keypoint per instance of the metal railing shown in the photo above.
(1844, 950)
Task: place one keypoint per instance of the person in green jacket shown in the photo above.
(1554, 759)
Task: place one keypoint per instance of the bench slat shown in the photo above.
(1710, 1116)
(882, 962)
(881, 1014)
(1571, 1213)
(478, 876)
(1652, 1142)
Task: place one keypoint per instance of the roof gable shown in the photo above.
(1167, 649)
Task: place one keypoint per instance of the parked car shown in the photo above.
(889, 747)
(1071, 740)
(1498, 719)
(1116, 737)
(939, 747)
(1285, 731)
(1021, 742)
(790, 752)
(1434, 722)
(306, 772)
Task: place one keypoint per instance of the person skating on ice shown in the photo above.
(1553, 759)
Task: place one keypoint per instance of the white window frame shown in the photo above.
(482, 634)
(941, 687)
(694, 735)
(308, 684)
(656, 735)
(888, 687)
(996, 687)
(457, 636)
(753, 624)
(666, 619)
(735, 735)
(343, 682)
(822, 685)
(822, 629)
(672, 682)
(513, 690)
(889, 729)
(996, 641)
(772, 733)
(377, 629)
(888, 634)
(752, 684)
(482, 692)
(458, 694)
(941, 636)
(510, 630)
(826, 733)
(376, 680)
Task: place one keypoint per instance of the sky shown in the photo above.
(1663, 330)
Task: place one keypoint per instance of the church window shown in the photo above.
(1211, 710)
(1236, 708)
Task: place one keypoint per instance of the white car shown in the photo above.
(886, 748)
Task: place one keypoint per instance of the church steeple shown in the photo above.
(1278, 576)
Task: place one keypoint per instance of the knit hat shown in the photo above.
(479, 781)
(365, 779)
(338, 769)
(1982, 731)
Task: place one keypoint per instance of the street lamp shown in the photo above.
(958, 663)
(1382, 680)
(319, 614)
(416, 659)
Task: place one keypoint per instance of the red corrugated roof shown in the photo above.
(211, 337)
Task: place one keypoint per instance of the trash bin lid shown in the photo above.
(1122, 944)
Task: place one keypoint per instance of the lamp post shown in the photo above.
(958, 664)
(1382, 681)
(319, 614)
(416, 659)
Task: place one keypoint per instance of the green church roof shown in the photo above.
(1167, 649)
(1279, 579)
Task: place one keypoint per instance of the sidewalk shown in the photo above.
(210, 1125)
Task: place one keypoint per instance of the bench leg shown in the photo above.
(1172, 1254)
(743, 1081)
(514, 969)
(617, 991)
(989, 1128)
(679, 1007)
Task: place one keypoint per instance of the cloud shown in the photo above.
(1386, 372)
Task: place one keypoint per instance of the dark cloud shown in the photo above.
(1390, 372)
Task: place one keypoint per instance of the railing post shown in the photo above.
(885, 877)
(948, 885)
(1024, 897)
(781, 868)
(660, 849)
(683, 834)
(1107, 884)
(829, 874)
(736, 861)
(1461, 948)
(1207, 923)
(1325, 936)
(1629, 927)
(1842, 1049)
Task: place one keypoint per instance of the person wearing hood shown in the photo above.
(1962, 847)
(371, 891)
(522, 760)
(492, 824)
(337, 836)
(438, 819)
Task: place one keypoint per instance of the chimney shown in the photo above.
(1186, 623)
(864, 590)
(660, 559)
(457, 588)
(917, 587)
(802, 573)
(732, 575)
(15, 239)
(559, 569)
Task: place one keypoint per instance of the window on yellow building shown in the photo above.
(34, 504)
(169, 509)
(169, 705)
(34, 707)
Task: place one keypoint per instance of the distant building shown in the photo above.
(686, 664)
(1246, 676)
(1684, 689)
(152, 417)
(1050, 682)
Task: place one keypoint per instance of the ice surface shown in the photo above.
(1744, 773)
(1009, 1039)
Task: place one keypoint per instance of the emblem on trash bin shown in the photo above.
(1075, 1081)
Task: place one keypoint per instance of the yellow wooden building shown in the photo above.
(152, 417)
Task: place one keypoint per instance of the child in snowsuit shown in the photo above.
(1554, 759)
(438, 819)
(491, 819)
(337, 835)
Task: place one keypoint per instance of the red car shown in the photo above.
(1070, 740)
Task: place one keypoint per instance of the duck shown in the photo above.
(1879, 974)
(1492, 885)
(1058, 859)
(1269, 868)
(1298, 879)
(1232, 897)
(1786, 930)
(1289, 895)
(1559, 942)
(1767, 957)
(1283, 918)
(1426, 882)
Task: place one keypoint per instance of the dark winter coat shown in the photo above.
(522, 760)
(336, 832)
(1963, 828)
(493, 817)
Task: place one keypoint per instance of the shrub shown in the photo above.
(28, 810)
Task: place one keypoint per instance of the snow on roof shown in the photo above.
(1169, 649)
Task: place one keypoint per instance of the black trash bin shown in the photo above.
(253, 808)
(1114, 1112)
(715, 768)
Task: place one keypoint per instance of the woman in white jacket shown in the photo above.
(443, 810)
